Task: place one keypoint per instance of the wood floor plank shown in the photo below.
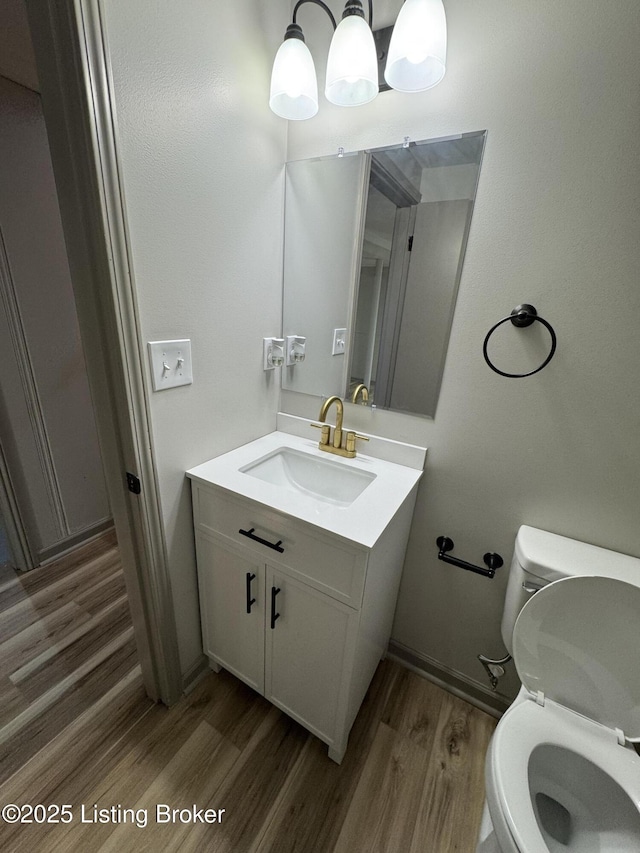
(101, 594)
(20, 614)
(69, 676)
(41, 702)
(35, 639)
(92, 734)
(24, 741)
(250, 790)
(122, 775)
(310, 815)
(66, 660)
(12, 702)
(192, 776)
(239, 711)
(385, 805)
(453, 794)
(61, 771)
(77, 630)
(414, 708)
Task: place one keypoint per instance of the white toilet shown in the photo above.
(561, 770)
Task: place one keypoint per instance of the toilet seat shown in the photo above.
(526, 726)
(564, 743)
(575, 643)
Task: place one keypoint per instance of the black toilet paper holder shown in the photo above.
(491, 560)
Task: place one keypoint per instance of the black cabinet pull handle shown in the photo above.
(250, 533)
(250, 601)
(274, 591)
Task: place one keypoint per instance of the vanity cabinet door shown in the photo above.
(231, 583)
(309, 645)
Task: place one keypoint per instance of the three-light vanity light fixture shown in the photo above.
(415, 58)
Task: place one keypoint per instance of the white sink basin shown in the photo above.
(352, 498)
(324, 479)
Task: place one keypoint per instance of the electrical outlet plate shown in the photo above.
(339, 341)
(294, 349)
(272, 353)
(170, 364)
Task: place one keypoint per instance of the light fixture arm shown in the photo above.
(318, 3)
(329, 12)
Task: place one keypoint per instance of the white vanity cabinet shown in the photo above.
(232, 598)
(301, 615)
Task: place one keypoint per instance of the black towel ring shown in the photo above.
(521, 316)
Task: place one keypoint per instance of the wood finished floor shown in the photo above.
(66, 639)
(411, 781)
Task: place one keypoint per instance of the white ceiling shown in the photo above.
(17, 61)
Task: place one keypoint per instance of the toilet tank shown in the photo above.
(540, 557)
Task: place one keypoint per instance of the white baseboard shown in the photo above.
(70, 543)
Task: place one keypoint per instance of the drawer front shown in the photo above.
(318, 559)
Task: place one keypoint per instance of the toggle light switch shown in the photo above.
(170, 363)
(339, 341)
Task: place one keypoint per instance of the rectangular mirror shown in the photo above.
(374, 244)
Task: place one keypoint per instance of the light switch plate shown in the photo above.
(339, 341)
(170, 363)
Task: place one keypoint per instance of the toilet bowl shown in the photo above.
(561, 770)
(562, 783)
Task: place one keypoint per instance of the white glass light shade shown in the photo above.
(294, 87)
(418, 49)
(352, 67)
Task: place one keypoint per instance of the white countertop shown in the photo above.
(361, 522)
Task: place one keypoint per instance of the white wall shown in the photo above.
(556, 224)
(203, 164)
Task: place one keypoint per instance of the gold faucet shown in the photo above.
(360, 389)
(337, 433)
(335, 445)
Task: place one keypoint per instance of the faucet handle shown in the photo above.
(351, 440)
(324, 436)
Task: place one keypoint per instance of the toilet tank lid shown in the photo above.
(551, 557)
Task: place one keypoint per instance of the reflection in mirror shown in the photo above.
(324, 200)
(376, 245)
(417, 221)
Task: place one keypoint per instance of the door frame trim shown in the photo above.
(77, 96)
